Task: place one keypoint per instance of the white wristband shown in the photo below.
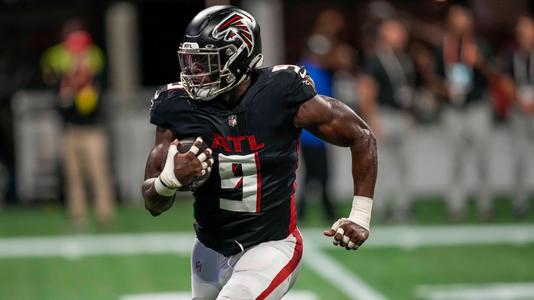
(167, 177)
(163, 190)
(361, 211)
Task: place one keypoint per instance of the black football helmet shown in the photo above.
(221, 45)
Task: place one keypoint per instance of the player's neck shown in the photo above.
(233, 97)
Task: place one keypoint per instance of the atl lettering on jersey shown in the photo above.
(249, 197)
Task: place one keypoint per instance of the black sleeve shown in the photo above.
(170, 110)
(295, 87)
(160, 110)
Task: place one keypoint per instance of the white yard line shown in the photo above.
(76, 246)
(453, 235)
(292, 295)
(337, 275)
(494, 291)
(155, 243)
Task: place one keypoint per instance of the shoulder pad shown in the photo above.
(291, 75)
(289, 72)
(167, 91)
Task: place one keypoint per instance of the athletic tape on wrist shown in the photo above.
(361, 211)
(162, 189)
(167, 177)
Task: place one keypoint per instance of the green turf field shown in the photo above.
(388, 272)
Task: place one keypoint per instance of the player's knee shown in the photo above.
(236, 292)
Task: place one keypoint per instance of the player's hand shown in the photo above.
(347, 234)
(181, 169)
(192, 164)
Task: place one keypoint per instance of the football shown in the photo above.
(184, 146)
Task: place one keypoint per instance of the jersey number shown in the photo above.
(241, 173)
(296, 69)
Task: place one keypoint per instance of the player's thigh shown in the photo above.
(204, 272)
(266, 271)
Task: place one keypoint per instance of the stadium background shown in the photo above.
(422, 256)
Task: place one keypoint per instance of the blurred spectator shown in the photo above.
(430, 88)
(319, 62)
(463, 64)
(386, 97)
(374, 12)
(520, 69)
(345, 86)
(74, 65)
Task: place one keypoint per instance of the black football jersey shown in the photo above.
(249, 197)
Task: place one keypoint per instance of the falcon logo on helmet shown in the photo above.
(236, 26)
(220, 49)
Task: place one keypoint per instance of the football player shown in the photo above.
(248, 245)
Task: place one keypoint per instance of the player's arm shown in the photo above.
(166, 170)
(336, 123)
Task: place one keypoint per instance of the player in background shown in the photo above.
(73, 66)
(248, 245)
(387, 95)
(520, 77)
(464, 66)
